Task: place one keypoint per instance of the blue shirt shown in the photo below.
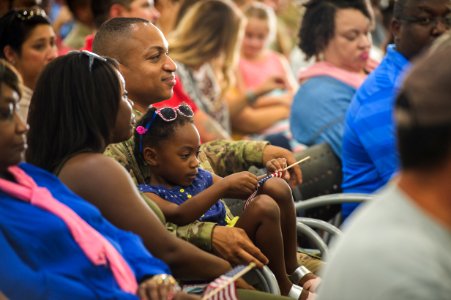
(318, 112)
(369, 154)
(179, 194)
(39, 258)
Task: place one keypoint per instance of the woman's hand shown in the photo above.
(159, 287)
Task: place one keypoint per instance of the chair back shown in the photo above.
(321, 175)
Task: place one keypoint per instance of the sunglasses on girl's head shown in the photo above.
(167, 114)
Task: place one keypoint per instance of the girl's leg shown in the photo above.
(261, 221)
(280, 191)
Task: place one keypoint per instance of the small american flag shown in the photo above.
(223, 287)
(261, 182)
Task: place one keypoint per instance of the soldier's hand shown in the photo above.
(233, 244)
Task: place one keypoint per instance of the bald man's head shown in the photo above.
(142, 51)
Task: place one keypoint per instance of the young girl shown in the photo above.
(168, 143)
(259, 64)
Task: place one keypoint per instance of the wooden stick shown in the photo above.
(296, 163)
(290, 166)
(234, 278)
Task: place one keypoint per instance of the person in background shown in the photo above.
(199, 40)
(103, 10)
(8, 5)
(369, 153)
(206, 50)
(83, 23)
(75, 253)
(397, 246)
(288, 18)
(336, 34)
(169, 11)
(267, 114)
(28, 42)
(209, 128)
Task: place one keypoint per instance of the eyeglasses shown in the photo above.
(29, 13)
(91, 55)
(429, 21)
(167, 114)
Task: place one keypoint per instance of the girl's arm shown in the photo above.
(237, 97)
(253, 120)
(291, 86)
(290, 80)
(238, 184)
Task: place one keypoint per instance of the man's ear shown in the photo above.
(150, 156)
(117, 10)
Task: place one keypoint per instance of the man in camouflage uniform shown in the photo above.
(129, 44)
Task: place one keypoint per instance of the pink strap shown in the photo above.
(323, 68)
(97, 248)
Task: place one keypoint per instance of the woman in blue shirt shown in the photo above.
(42, 257)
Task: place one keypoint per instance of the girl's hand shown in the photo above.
(239, 185)
(159, 287)
(270, 84)
(276, 164)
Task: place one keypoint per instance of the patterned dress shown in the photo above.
(179, 194)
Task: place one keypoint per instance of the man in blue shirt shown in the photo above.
(397, 247)
(369, 152)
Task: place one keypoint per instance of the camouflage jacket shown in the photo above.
(221, 157)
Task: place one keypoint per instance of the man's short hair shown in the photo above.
(108, 38)
(398, 9)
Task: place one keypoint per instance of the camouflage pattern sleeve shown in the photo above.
(197, 233)
(227, 157)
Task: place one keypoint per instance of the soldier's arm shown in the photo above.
(227, 157)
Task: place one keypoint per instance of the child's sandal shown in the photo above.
(296, 292)
(301, 275)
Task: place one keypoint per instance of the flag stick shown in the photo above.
(232, 279)
(290, 166)
(296, 163)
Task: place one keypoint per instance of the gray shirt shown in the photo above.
(391, 249)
